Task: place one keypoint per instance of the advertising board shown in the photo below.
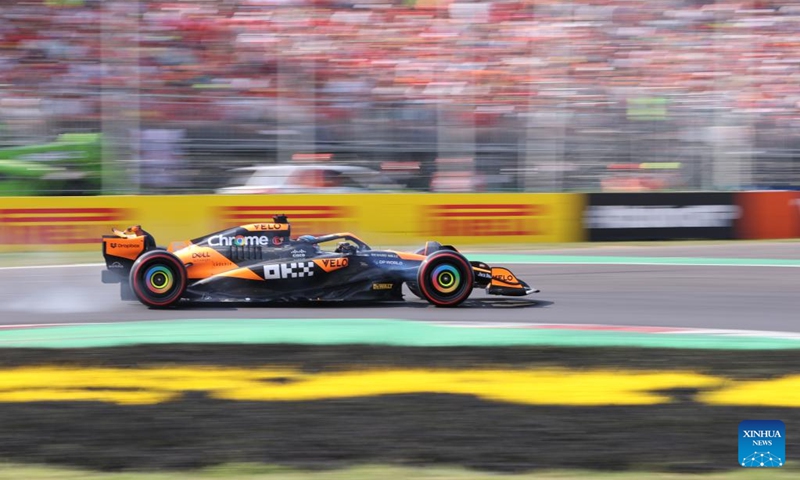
(660, 216)
(77, 223)
(768, 215)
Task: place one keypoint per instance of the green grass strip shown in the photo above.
(362, 331)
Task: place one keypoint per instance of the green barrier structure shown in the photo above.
(69, 166)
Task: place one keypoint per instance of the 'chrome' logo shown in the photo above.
(237, 241)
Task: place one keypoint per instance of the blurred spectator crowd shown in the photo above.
(545, 95)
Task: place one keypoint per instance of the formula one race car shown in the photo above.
(262, 263)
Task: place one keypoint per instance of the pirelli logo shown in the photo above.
(59, 226)
(484, 220)
(305, 220)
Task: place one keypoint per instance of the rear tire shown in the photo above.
(445, 278)
(158, 279)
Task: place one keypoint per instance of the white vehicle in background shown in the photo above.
(311, 178)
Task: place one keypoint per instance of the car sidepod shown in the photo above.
(329, 277)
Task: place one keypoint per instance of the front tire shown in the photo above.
(445, 278)
(158, 279)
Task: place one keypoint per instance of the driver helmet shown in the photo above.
(309, 239)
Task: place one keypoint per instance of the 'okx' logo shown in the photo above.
(762, 443)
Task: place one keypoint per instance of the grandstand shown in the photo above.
(544, 95)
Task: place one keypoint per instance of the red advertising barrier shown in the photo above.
(768, 215)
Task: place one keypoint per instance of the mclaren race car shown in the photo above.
(262, 263)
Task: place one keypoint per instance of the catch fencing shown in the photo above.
(196, 141)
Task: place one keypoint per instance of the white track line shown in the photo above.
(602, 327)
(40, 267)
(36, 325)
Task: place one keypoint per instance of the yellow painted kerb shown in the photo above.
(523, 386)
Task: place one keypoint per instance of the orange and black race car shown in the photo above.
(262, 263)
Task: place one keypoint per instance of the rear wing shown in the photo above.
(121, 249)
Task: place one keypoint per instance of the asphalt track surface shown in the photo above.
(727, 297)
